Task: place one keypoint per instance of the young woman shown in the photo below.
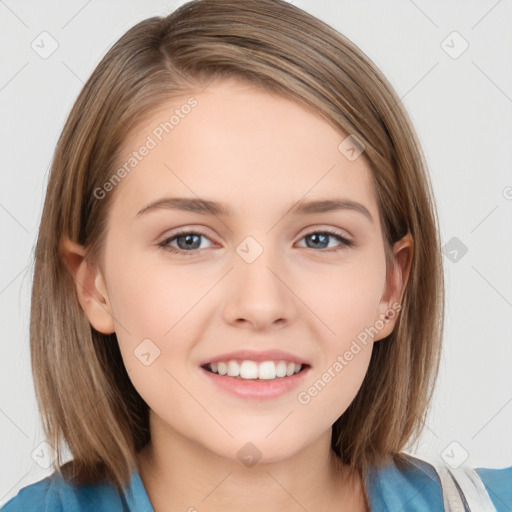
(238, 289)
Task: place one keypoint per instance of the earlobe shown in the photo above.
(90, 287)
(396, 282)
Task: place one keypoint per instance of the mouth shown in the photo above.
(248, 370)
(253, 381)
(255, 374)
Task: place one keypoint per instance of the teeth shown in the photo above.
(222, 368)
(248, 370)
(267, 370)
(233, 369)
(281, 368)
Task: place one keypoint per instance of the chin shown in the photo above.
(258, 449)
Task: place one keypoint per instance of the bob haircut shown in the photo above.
(83, 390)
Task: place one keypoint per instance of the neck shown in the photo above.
(181, 475)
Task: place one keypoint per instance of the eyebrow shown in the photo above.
(208, 207)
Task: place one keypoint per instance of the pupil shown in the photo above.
(315, 237)
(189, 240)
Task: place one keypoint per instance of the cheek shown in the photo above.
(150, 299)
(346, 348)
(346, 298)
(347, 303)
(155, 307)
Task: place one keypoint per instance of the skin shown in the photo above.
(258, 153)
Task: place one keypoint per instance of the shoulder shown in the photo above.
(54, 494)
(415, 484)
(404, 483)
(498, 483)
(33, 497)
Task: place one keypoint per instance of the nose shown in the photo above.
(258, 295)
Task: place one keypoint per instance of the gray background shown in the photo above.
(461, 106)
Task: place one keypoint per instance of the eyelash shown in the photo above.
(164, 244)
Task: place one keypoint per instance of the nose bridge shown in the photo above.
(257, 266)
(258, 293)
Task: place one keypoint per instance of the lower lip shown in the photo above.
(257, 389)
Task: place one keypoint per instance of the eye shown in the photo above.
(189, 242)
(321, 237)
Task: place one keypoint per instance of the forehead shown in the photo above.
(241, 145)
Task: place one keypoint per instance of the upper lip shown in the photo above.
(257, 356)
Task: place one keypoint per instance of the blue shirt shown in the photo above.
(411, 487)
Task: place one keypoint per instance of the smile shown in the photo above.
(252, 386)
(250, 370)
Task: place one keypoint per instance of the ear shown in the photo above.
(396, 282)
(90, 287)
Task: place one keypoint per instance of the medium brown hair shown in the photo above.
(84, 393)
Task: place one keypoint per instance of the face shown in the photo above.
(182, 288)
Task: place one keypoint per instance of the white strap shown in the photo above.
(473, 488)
(451, 497)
